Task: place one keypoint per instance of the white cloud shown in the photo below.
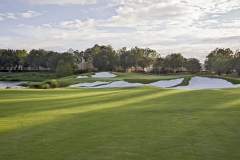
(1, 17)
(47, 25)
(11, 16)
(60, 2)
(168, 26)
(30, 14)
(191, 42)
(168, 13)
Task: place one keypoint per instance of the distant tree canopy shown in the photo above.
(108, 59)
(148, 57)
(219, 64)
(123, 54)
(8, 59)
(12, 59)
(35, 58)
(136, 57)
(226, 57)
(105, 59)
(236, 62)
(64, 69)
(193, 65)
(173, 61)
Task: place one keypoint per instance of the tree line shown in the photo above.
(105, 58)
(223, 61)
(20, 59)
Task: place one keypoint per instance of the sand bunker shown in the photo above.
(205, 82)
(82, 77)
(90, 84)
(119, 84)
(167, 83)
(194, 83)
(103, 75)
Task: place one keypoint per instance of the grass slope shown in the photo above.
(120, 123)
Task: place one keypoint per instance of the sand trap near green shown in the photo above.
(167, 83)
(206, 83)
(119, 84)
(89, 84)
(103, 75)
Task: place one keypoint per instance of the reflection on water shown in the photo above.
(4, 84)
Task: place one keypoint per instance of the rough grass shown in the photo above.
(120, 123)
(26, 76)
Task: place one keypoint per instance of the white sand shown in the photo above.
(194, 83)
(205, 82)
(167, 83)
(103, 75)
(119, 84)
(90, 84)
(82, 77)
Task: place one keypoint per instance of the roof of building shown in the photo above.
(70, 51)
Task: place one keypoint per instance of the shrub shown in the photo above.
(60, 84)
(15, 79)
(36, 85)
(8, 87)
(46, 86)
(54, 84)
(83, 71)
(64, 69)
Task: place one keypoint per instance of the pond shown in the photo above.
(12, 84)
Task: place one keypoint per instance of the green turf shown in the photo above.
(120, 123)
(185, 81)
(26, 76)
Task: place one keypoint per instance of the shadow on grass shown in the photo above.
(111, 98)
(151, 124)
(137, 99)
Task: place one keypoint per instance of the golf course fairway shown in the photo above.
(119, 123)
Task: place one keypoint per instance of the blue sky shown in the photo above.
(191, 27)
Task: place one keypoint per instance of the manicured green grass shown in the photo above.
(185, 81)
(120, 123)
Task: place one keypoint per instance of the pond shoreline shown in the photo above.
(11, 84)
